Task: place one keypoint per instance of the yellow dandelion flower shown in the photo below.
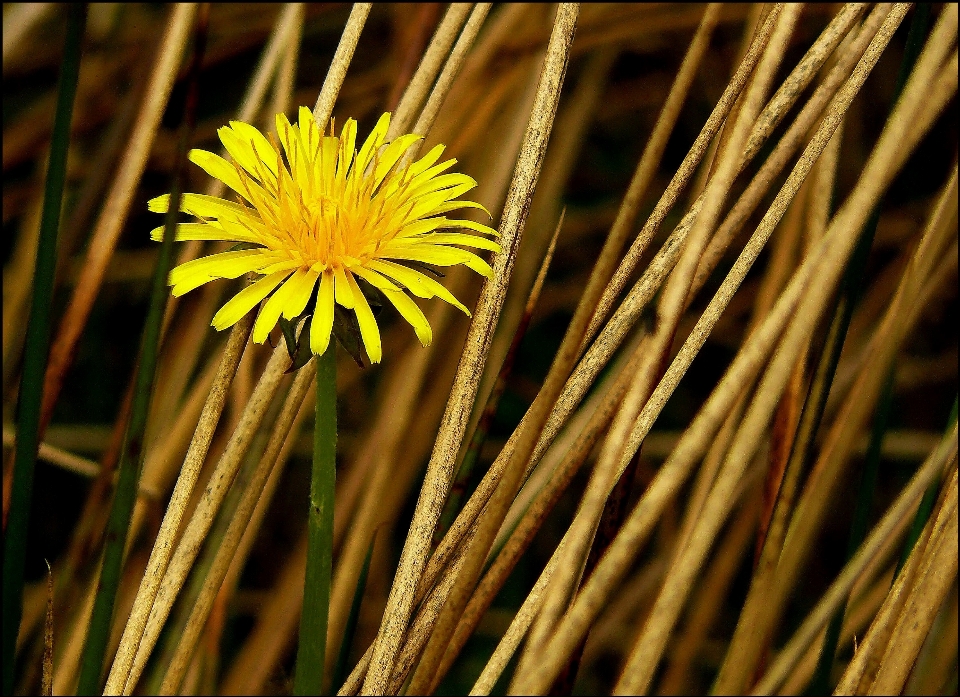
(322, 219)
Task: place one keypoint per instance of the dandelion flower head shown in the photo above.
(312, 225)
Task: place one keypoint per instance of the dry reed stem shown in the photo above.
(599, 354)
(834, 95)
(415, 639)
(71, 462)
(518, 626)
(416, 92)
(904, 506)
(117, 205)
(202, 518)
(451, 69)
(160, 459)
(163, 545)
(709, 600)
(534, 515)
(879, 170)
(341, 61)
(610, 570)
(862, 669)
(573, 120)
(518, 205)
(491, 190)
(932, 672)
(683, 175)
(18, 21)
(186, 643)
(656, 144)
(732, 282)
(251, 105)
(442, 460)
(765, 600)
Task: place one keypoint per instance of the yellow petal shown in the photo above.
(372, 144)
(459, 238)
(200, 205)
(417, 283)
(301, 288)
(425, 162)
(270, 313)
(392, 154)
(344, 291)
(221, 265)
(408, 308)
(438, 256)
(369, 331)
(200, 231)
(322, 323)
(244, 301)
(262, 148)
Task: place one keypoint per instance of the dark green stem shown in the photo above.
(316, 589)
(37, 347)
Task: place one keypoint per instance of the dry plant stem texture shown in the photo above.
(755, 245)
(449, 73)
(160, 556)
(681, 177)
(516, 209)
(904, 506)
(196, 530)
(613, 335)
(428, 69)
(341, 61)
(670, 309)
(117, 205)
(902, 314)
(761, 610)
(443, 458)
(187, 643)
(877, 175)
(694, 442)
(163, 546)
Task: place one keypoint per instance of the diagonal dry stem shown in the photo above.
(440, 467)
(904, 506)
(189, 546)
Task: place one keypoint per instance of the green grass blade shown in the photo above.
(316, 590)
(131, 458)
(38, 346)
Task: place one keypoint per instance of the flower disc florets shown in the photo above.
(324, 217)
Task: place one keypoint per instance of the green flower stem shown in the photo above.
(316, 589)
(37, 347)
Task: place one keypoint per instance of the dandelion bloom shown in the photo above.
(324, 218)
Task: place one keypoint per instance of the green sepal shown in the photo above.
(347, 331)
(286, 326)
